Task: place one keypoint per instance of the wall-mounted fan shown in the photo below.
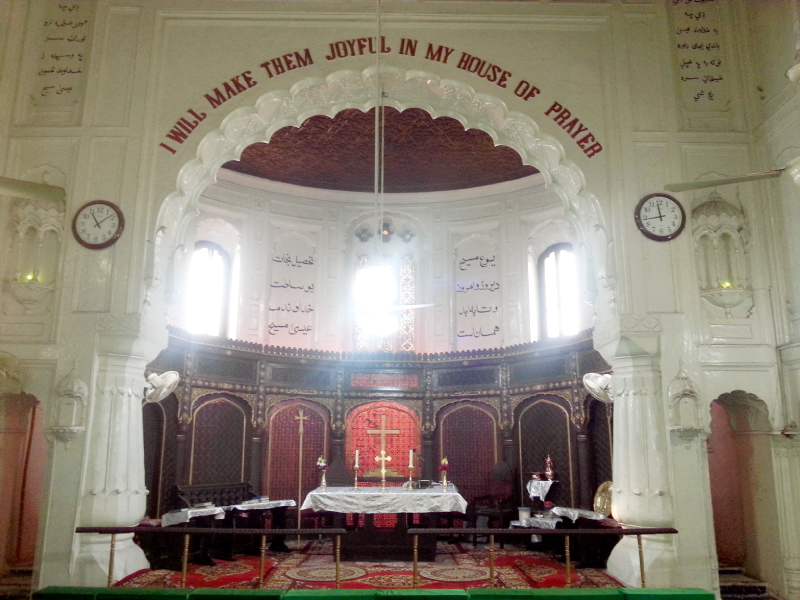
(793, 168)
(161, 385)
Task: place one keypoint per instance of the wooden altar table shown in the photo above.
(370, 542)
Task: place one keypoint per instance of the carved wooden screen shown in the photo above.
(467, 436)
(543, 428)
(221, 433)
(160, 424)
(401, 433)
(600, 429)
(297, 436)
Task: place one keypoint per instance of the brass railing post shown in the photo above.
(567, 558)
(641, 559)
(337, 548)
(415, 558)
(184, 559)
(491, 560)
(111, 560)
(261, 561)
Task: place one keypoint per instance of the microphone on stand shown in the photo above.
(414, 450)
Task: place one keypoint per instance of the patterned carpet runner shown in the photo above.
(310, 566)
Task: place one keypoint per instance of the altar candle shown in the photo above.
(356, 465)
(411, 459)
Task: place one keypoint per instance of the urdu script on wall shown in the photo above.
(343, 49)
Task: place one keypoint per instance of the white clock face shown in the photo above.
(660, 217)
(98, 224)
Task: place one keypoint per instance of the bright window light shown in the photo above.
(206, 291)
(559, 292)
(375, 292)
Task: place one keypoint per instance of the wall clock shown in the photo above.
(660, 217)
(98, 224)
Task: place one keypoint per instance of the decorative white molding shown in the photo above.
(67, 420)
(684, 405)
(33, 297)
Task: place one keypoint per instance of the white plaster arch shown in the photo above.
(404, 89)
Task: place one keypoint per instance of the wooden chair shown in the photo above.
(497, 506)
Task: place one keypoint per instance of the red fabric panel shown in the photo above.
(397, 418)
(284, 468)
(467, 438)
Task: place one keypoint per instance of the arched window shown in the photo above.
(379, 294)
(209, 290)
(558, 291)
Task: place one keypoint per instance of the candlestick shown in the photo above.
(411, 459)
(356, 465)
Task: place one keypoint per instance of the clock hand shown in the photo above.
(96, 222)
(102, 220)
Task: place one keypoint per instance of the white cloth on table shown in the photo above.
(185, 515)
(537, 522)
(539, 488)
(265, 505)
(573, 513)
(371, 500)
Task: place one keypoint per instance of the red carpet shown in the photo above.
(311, 566)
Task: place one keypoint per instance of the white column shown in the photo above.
(786, 468)
(641, 493)
(694, 516)
(113, 492)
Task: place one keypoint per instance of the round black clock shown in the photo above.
(660, 217)
(98, 224)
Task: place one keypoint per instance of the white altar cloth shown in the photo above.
(537, 522)
(185, 515)
(265, 505)
(371, 500)
(573, 513)
(538, 488)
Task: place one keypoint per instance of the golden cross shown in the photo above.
(301, 416)
(382, 459)
(383, 432)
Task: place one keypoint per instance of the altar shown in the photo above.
(368, 541)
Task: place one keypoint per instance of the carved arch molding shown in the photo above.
(404, 89)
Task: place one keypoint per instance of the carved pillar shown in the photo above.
(113, 491)
(641, 492)
(786, 466)
(506, 421)
(794, 71)
(339, 473)
(696, 545)
(428, 425)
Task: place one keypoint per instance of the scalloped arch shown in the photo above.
(404, 89)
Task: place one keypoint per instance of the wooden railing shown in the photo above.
(336, 533)
(565, 533)
(188, 531)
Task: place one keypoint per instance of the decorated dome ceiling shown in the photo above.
(421, 154)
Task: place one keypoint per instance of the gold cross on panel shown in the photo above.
(301, 416)
(383, 432)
